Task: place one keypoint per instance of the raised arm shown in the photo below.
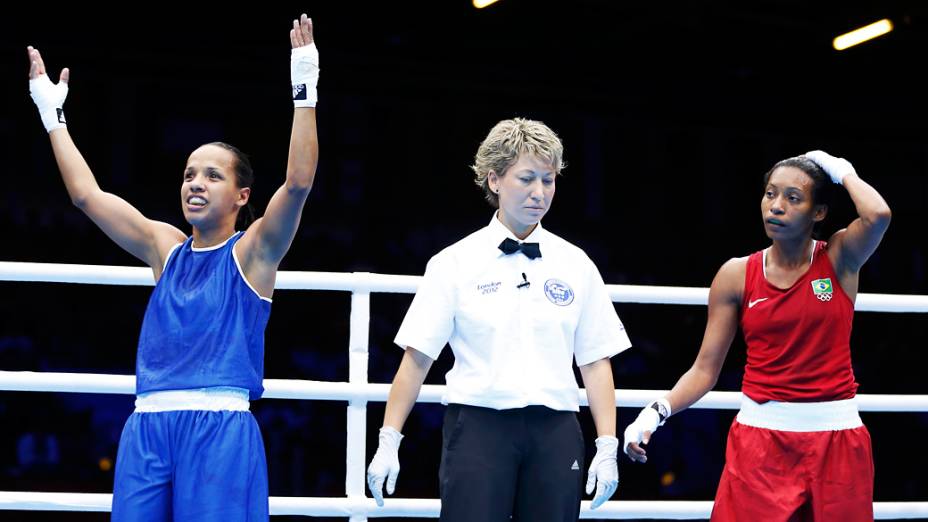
(721, 326)
(849, 248)
(268, 239)
(148, 240)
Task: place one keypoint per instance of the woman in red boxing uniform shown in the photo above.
(797, 449)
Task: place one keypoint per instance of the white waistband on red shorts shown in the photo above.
(220, 398)
(800, 416)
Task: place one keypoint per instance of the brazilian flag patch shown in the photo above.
(822, 289)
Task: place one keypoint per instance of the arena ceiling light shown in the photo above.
(480, 4)
(862, 34)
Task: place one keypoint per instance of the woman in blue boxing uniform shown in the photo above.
(192, 450)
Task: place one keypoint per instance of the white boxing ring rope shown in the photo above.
(358, 392)
(365, 282)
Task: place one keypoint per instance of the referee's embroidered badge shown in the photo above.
(559, 292)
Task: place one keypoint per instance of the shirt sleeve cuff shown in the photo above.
(604, 352)
(421, 347)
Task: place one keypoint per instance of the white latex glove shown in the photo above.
(385, 465)
(604, 470)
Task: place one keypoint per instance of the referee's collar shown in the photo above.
(498, 232)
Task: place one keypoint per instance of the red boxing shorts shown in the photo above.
(796, 473)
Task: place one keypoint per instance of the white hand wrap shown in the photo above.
(836, 168)
(385, 465)
(49, 99)
(304, 75)
(648, 421)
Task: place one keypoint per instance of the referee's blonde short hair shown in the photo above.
(506, 141)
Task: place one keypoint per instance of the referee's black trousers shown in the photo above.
(524, 463)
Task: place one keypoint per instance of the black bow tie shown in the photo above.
(511, 246)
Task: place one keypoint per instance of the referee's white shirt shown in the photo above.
(513, 347)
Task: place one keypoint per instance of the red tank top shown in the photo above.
(798, 339)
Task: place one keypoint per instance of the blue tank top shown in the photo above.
(204, 325)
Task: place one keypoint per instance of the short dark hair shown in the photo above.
(821, 182)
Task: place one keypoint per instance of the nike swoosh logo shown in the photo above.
(754, 302)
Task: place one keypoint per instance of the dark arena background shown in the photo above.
(670, 114)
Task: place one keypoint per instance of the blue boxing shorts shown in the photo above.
(191, 465)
